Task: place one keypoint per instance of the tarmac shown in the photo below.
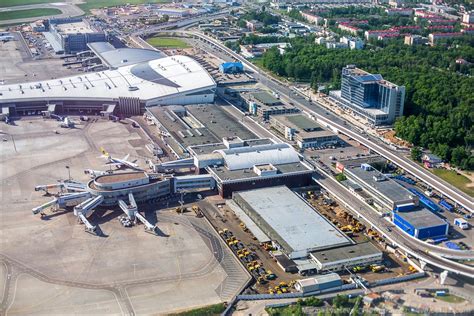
(52, 266)
(17, 66)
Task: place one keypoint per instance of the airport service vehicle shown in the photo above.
(461, 223)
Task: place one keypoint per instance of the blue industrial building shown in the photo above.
(231, 67)
(420, 223)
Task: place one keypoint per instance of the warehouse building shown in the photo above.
(305, 131)
(263, 104)
(318, 283)
(231, 67)
(337, 259)
(387, 193)
(292, 225)
(420, 223)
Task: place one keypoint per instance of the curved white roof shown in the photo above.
(153, 80)
(247, 157)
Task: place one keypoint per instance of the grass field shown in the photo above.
(166, 42)
(23, 14)
(97, 4)
(459, 181)
(11, 3)
(449, 298)
(210, 310)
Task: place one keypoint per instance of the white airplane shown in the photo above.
(96, 173)
(119, 162)
(67, 123)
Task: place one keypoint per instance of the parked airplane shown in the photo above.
(67, 123)
(119, 162)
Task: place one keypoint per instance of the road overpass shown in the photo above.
(329, 119)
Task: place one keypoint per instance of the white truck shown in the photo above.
(461, 223)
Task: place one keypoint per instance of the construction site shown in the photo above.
(121, 270)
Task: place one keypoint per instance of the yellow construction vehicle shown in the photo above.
(412, 269)
(347, 228)
(223, 231)
(283, 284)
(358, 269)
(251, 264)
(261, 280)
(197, 211)
(377, 268)
(180, 210)
(267, 246)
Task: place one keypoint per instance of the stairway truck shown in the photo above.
(461, 223)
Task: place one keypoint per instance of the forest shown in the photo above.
(439, 104)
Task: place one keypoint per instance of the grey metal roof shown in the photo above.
(345, 253)
(388, 188)
(145, 71)
(421, 218)
(289, 220)
(118, 57)
(247, 157)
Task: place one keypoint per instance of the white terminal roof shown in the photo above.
(289, 220)
(249, 156)
(150, 81)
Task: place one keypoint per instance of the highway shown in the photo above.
(425, 252)
(329, 119)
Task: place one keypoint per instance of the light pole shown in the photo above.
(68, 172)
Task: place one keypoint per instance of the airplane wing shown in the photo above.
(118, 164)
(126, 157)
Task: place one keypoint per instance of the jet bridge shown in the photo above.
(132, 212)
(68, 199)
(85, 208)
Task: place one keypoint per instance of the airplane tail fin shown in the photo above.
(104, 152)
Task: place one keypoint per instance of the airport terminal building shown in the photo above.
(125, 90)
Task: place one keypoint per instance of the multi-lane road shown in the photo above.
(428, 253)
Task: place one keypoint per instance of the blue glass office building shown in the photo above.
(370, 96)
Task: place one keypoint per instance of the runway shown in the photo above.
(67, 9)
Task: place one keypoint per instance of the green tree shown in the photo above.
(416, 153)
(340, 301)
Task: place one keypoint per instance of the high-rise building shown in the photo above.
(368, 95)
(73, 34)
